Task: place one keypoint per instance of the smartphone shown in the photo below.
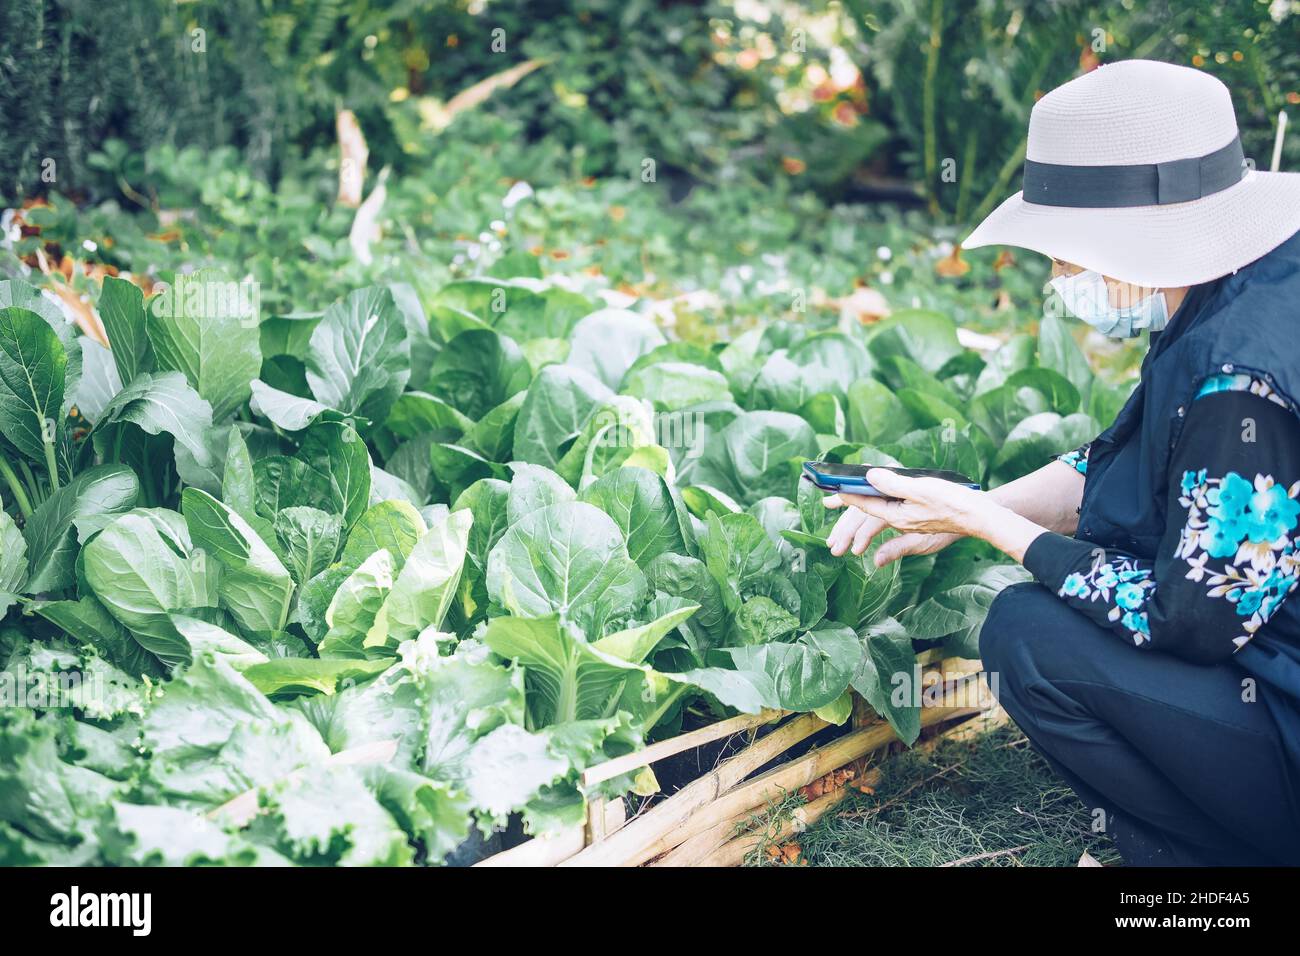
(832, 476)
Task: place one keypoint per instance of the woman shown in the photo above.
(1156, 658)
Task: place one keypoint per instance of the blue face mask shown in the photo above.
(1085, 297)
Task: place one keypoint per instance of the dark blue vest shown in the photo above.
(1246, 322)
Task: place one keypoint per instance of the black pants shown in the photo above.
(1185, 770)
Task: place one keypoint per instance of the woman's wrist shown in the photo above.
(1007, 530)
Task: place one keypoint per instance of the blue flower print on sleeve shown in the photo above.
(1121, 583)
(1077, 459)
(1248, 529)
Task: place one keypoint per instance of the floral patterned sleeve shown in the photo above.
(1230, 554)
(1078, 458)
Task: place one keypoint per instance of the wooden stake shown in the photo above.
(595, 830)
(353, 154)
(863, 715)
(615, 815)
(604, 817)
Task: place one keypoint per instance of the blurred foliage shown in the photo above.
(489, 203)
(677, 81)
(711, 91)
(955, 79)
(75, 72)
(186, 134)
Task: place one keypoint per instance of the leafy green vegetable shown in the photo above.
(559, 403)
(353, 613)
(887, 676)
(164, 403)
(358, 359)
(607, 343)
(677, 385)
(808, 673)
(137, 835)
(213, 735)
(567, 559)
(33, 367)
(70, 515)
(477, 370)
(427, 583)
(502, 541)
(253, 585)
(87, 621)
(309, 538)
(142, 567)
(751, 458)
(201, 328)
(13, 562)
(121, 308)
(299, 675)
(643, 507)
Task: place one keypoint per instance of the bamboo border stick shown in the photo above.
(541, 851)
(734, 851)
(796, 774)
(595, 827)
(627, 846)
(781, 780)
(951, 667)
(989, 720)
(604, 816)
(610, 769)
(661, 832)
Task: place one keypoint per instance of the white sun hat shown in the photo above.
(1136, 170)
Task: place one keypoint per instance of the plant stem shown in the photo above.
(928, 103)
(1261, 78)
(1013, 163)
(16, 486)
(1016, 160)
(662, 706)
(966, 173)
(34, 490)
(52, 465)
(566, 703)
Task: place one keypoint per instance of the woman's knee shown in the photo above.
(1031, 638)
(1012, 615)
(1011, 632)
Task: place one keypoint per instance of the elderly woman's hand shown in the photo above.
(855, 530)
(931, 513)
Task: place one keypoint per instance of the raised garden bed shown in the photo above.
(702, 823)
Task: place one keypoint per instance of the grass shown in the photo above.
(991, 801)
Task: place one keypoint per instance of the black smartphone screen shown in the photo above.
(943, 473)
(859, 471)
(838, 470)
